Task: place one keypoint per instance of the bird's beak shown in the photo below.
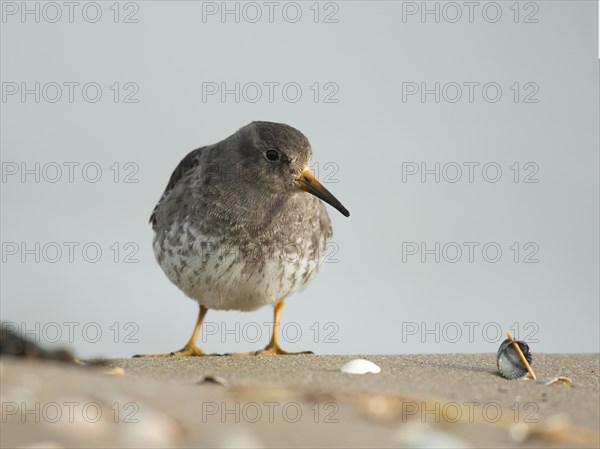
(309, 183)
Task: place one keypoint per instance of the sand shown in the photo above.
(451, 400)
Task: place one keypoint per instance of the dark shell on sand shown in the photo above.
(510, 364)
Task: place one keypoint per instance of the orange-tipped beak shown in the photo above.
(309, 183)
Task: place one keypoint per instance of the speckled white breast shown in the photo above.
(223, 277)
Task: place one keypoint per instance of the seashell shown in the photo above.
(360, 366)
(510, 364)
(423, 435)
(115, 371)
(215, 380)
(552, 380)
(519, 432)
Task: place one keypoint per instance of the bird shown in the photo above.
(242, 225)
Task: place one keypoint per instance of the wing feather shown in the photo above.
(190, 161)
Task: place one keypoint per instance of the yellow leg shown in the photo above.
(190, 349)
(273, 347)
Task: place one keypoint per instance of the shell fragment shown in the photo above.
(360, 366)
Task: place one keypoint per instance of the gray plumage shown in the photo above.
(233, 230)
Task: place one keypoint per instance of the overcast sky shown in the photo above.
(463, 141)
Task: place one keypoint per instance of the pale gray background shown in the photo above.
(369, 133)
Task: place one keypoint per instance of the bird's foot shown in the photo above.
(276, 350)
(186, 351)
(271, 349)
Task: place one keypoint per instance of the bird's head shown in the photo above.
(278, 157)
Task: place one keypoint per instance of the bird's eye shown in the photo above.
(272, 155)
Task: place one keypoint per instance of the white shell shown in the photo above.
(360, 366)
(551, 380)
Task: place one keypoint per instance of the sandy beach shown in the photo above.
(450, 400)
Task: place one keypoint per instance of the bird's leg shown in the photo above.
(273, 347)
(190, 349)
